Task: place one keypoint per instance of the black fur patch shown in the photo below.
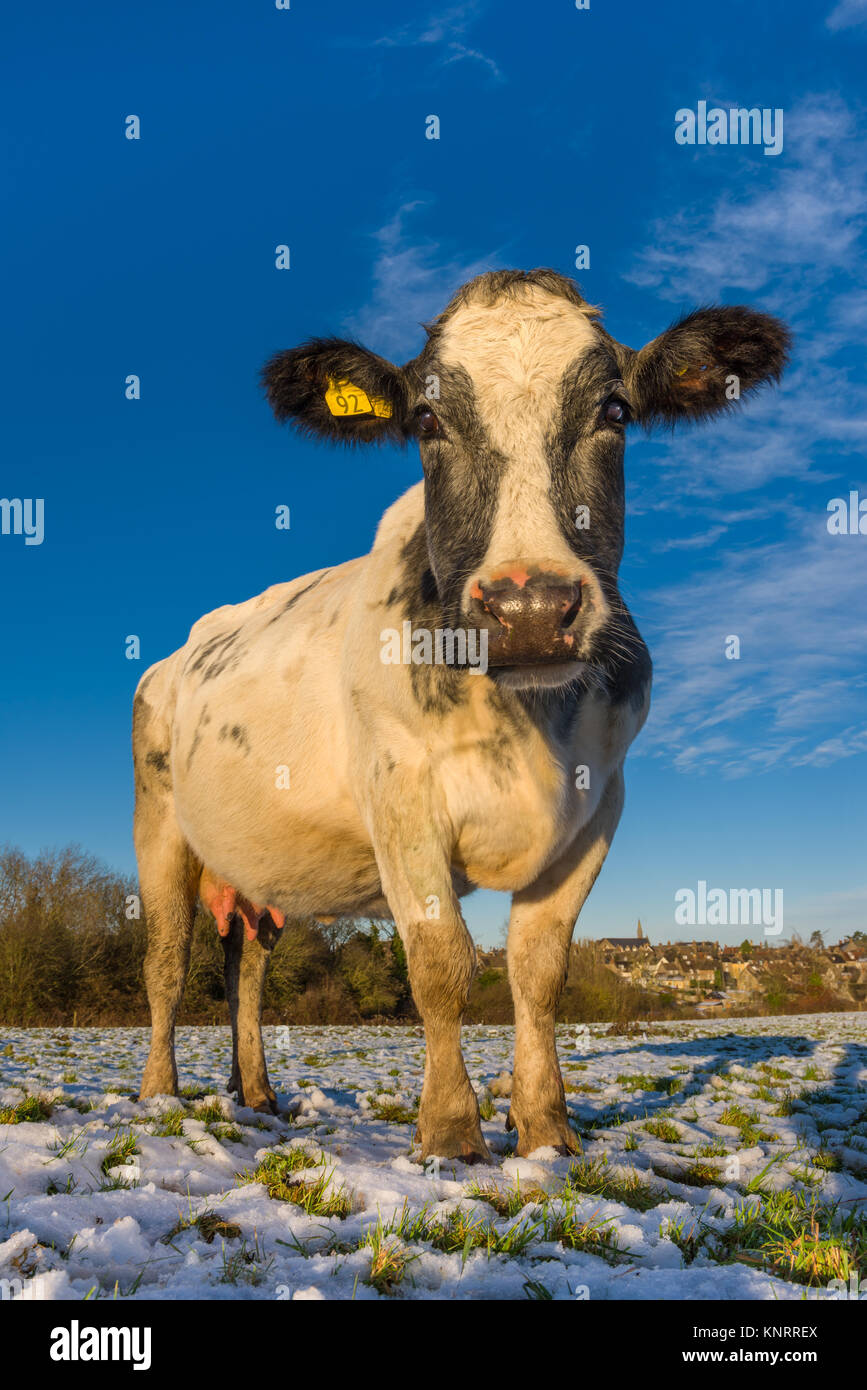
(238, 734)
(291, 602)
(158, 760)
(295, 382)
(217, 655)
(682, 373)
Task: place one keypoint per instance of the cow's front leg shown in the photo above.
(540, 931)
(413, 857)
(246, 962)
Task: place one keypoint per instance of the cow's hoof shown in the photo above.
(266, 1107)
(564, 1142)
(465, 1148)
(472, 1156)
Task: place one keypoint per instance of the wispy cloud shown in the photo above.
(796, 606)
(413, 278)
(445, 32)
(787, 238)
(848, 15)
(793, 242)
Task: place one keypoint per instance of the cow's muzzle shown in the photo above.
(530, 618)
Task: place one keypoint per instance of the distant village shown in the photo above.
(706, 978)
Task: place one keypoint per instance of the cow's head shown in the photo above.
(520, 402)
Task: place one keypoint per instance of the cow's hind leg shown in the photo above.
(168, 876)
(168, 880)
(245, 964)
(540, 931)
(233, 946)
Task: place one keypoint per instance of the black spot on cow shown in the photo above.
(218, 654)
(238, 735)
(291, 602)
(202, 722)
(158, 760)
(498, 752)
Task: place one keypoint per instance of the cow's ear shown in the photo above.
(706, 363)
(339, 390)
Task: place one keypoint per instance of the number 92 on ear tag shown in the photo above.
(342, 398)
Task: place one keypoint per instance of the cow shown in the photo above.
(285, 767)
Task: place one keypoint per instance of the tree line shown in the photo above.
(72, 952)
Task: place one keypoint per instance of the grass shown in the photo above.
(830, 1162)
(715, 1150)
(120, 1152)
(664, 1130)
(798, 1238)
(747, 1125)
(592, 1236)
(507, 1201)
(245, 1265)
(639, 1081)
(702, 1175)
(595, 1179)
(210, 1111)
(316, 1198)
(31, 1110)
(466, 1229)
(389, 1258)
(209, 1226)
(170, 1123)
(226, 1133)
(394, 1112)
(687, 1234)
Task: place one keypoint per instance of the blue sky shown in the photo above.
(307, 127)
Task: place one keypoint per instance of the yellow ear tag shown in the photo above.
(682, 370)
(342, 398)
(382, 407)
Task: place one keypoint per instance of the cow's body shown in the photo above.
(276, 752)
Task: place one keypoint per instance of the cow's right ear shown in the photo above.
(338, 390)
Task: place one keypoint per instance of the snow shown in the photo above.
(101, 1197)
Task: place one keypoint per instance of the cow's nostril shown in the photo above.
(572, 611)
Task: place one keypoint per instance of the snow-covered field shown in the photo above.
(718, 1158)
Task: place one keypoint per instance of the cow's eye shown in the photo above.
(427, 423)
(614, 412)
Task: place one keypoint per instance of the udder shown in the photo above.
(222, 901)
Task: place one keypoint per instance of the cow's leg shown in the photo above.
(246, 962)
(540, 931)
(414, 865)
(232, 940)
(168, 876)
(168, 879)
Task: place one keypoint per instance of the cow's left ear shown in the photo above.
(705, 363)
(337, 390)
